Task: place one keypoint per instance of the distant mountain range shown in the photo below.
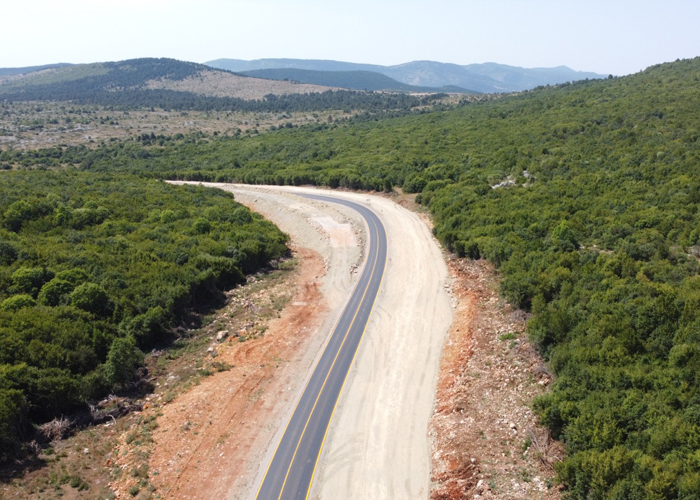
(487, 78)
(175, 82)
(357, 80)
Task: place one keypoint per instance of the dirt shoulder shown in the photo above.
(209, 439)
(485, 440)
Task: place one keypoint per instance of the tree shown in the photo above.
(52, 293)
(93, 299)
(12, 414)
(147, 326)
(8, 253)
(414, 183)
(29, 280)
(388, 187)
(122, 361)
(75, 276)
(17, 302)
(202, 226)
(563, 237)
(18, 213)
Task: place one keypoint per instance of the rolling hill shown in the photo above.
(487, 78)
(29, 69)
(357, 80)
(177, 85)
(76, 81)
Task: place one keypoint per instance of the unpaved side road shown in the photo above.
(377, 446)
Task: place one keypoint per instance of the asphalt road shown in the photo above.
(291, 470)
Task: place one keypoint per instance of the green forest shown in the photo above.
(585, 197)
(357, 80)
(95, 270)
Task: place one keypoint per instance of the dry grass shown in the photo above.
(32, 125)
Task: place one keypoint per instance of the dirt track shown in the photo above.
(378, 445)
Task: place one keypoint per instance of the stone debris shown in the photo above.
(485, 439)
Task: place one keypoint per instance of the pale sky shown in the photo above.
(605, 36)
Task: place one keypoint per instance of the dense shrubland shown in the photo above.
(95, 270)
(595, 229)
(188, 101)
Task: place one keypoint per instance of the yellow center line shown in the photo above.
(325, 434)
(347, 332)
(327, 343)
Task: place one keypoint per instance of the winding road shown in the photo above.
(292, 468)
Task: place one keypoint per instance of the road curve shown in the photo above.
(292, 468)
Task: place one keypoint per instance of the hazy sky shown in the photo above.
(606, 36)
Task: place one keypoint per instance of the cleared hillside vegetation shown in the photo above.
(585, 196)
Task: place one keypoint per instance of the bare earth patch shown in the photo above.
(222, 84)
(210, 439)
(485, 440)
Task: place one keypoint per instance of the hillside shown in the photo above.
(72, 82)
(528, 78)
(175, 85)
(585, 196)
(487, 78)
(29, 69)
(357, 80)
(498, 77)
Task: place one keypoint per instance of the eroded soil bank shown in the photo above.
(485, 440)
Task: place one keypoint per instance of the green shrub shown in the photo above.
(29, 280)
(122, 361)
(93, 299)
(55, 292)
(17, 302)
